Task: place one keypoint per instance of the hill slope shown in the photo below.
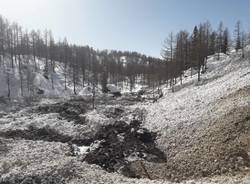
(204, 128)
(33, 79)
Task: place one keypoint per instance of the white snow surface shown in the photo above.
(113, 89)
(36, 78)
(195, 102)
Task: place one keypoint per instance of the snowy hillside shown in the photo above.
(33, 80)
(199, 124)
(202, 131)
(194, 101)
(35, 84)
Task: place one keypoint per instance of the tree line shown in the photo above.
(186, 50)
(85, 66)
(82, 65)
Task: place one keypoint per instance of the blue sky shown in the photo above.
(136, 25)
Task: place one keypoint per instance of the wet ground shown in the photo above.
(120, 142)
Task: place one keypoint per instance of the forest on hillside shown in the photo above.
(84, 65)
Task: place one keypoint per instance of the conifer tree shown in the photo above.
(225, 46)
(195, 49)
(238, 44)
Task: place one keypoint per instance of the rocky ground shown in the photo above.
(61, 129)
(221, 148)
(199, 134)
(206, 125)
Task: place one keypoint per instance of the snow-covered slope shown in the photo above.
(196, 100)
(34, 83)
(198, 124)
(33, 79)
(201, 126)
(193, 100)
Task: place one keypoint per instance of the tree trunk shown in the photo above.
(199, 71)
(93, 98)
(65, 77)
(83, 78)
(8, 83)
(20, 75)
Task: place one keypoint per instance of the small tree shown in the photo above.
(104, 81)
(219, 40)
(30, 81)
(243, 43)
(212, 43)
(195, 50)
(65, 60)
(104, 75)
(8, 74)
(46, 53)
(225, 41)
(168, 56)
(94, 78)
(238, 44)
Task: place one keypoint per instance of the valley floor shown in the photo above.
(198, 134)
